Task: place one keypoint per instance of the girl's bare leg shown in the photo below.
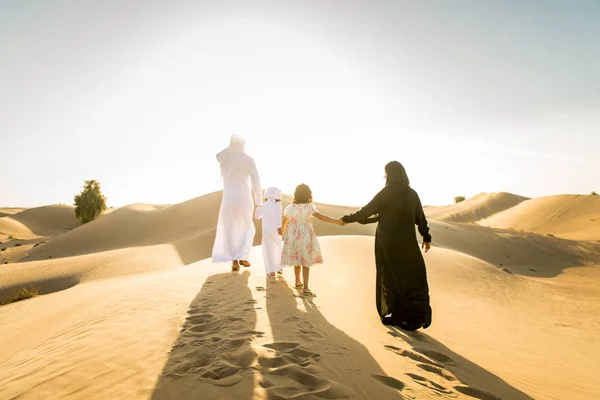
(297, 273)
(305, 273)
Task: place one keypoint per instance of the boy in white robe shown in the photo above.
(270, 212)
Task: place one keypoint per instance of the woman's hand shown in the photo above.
(426, 246)
(340, 221)
(280, 231)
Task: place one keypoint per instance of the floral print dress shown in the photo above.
(300, 244)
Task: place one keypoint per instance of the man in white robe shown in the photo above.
(235, 228)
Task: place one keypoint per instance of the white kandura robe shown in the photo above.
(270, 213)
(235, 227)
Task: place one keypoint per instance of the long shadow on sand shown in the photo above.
(311, 357)
(213, 357)
(456, 371)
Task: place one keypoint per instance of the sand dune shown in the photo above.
(190, 226)
(478, 207)
(568, 216)
(145, 237)
(130, 240)
(132, 312)
(40, 221)
(10, 211)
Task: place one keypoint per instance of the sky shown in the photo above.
(471, 96)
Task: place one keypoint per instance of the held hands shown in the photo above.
(340, 221)
(426, 246)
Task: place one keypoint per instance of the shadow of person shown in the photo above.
(436, 358)
(312, 358)
(213, 356)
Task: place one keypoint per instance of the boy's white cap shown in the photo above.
(273, 193)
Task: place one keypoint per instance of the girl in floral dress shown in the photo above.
(300, 244)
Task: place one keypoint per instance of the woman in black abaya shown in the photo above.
(402, 293)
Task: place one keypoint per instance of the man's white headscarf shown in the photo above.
(230, 155)
(236, 143)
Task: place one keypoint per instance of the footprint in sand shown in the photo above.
(397, 333)
(213, 347)
(289, 372)
(412, 355)
(389, 381)
(477, 393)
(438, 371)
(428, 383)
(293, 348)
(199, 318)
(260, 289)
(434, 355)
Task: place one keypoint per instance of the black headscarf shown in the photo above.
(396, 174)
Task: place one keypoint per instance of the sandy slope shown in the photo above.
(40, 221)
(569, 216)
(245, 336)
(515, 317)
(189, 226)
(478, 207)
(9, 211)
(22, 229)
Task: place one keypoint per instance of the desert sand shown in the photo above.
(476, 208)
(132, 308)
(569, 216)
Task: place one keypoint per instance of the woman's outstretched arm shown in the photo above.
(367, 211)
(371, 220)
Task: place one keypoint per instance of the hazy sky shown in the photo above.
(470, 96)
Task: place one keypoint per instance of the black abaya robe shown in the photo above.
(402, 288)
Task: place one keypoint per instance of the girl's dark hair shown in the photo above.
(396, 174)
(302, 194)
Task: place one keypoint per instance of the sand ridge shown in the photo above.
(574, 217)
(475, 208)
(38, 222)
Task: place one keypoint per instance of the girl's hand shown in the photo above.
(280, 231)
(340, 221)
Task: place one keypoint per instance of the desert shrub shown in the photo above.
(90, 203)
(21, 294)
(459, 199)
(594, 194)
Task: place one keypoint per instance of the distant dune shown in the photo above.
(190, 226)
(37, 222)
(568, 216)
(10, 211)
(478, 207)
